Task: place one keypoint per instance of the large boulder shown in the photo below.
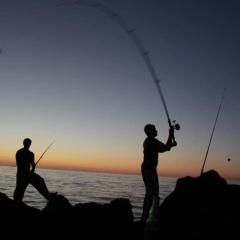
(59, 218)
(198, 208)
(16, 217)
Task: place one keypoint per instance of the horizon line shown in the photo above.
(88, 170)
(113, 172)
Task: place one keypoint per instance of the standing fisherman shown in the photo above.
(25, 173)
(149, 175)
(151, 148)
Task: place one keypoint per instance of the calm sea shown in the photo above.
(81, 187)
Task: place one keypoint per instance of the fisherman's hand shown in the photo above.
(174, 143)
(33, 170)
(171, 131)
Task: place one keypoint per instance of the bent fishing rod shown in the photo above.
(131, 32)
(44, 152)
(214, 126)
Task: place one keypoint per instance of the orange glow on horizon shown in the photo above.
(170, 164)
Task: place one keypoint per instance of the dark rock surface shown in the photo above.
(205, 207)
(199, 208)
(60, 219)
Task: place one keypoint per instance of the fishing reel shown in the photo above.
(175, 125)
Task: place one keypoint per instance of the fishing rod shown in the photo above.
(214, 126)
(44, 152)
(136, 40)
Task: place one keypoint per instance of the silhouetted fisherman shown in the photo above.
(151, 148)
(25, 173)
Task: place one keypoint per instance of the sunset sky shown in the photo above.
(72, 75)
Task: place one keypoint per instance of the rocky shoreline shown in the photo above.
(198, 208)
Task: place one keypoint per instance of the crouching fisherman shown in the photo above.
(26, 175)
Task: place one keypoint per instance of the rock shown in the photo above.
(59, 218)
(199, 208)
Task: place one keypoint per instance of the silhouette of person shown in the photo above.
(26, 175)
(151, 148)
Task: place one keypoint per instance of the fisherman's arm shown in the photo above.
(170, 142)
(171, 139)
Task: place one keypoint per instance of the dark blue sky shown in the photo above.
(72, 74)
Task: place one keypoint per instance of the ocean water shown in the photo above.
(81, 187)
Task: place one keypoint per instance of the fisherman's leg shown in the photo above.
(147, 203)
(148, 199)
(21, 185)
(155, 206)
(155, 193)
(39, 183)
